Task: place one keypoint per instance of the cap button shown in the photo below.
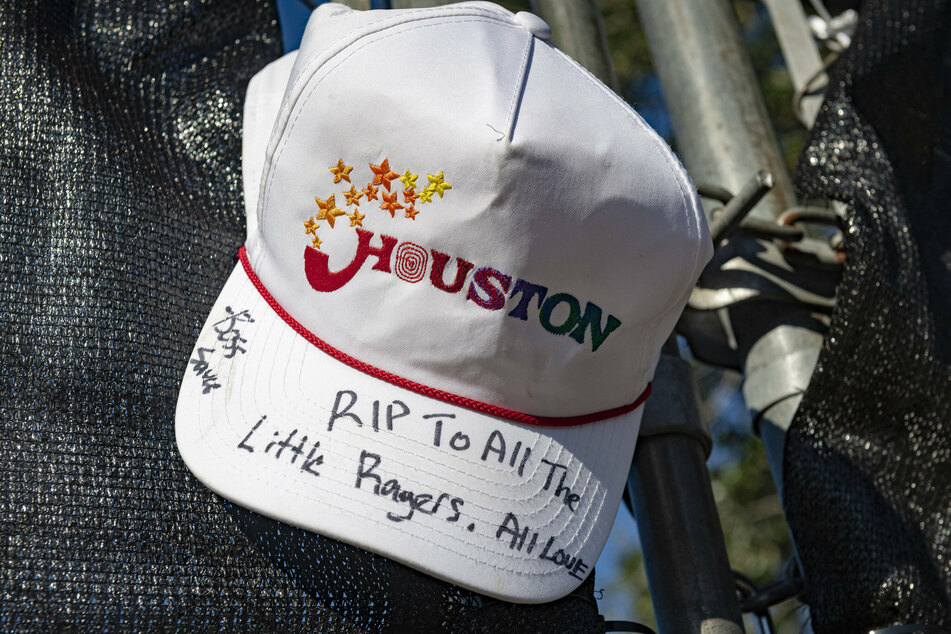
(533, 24)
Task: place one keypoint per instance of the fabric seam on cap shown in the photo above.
(368, 30)
(516, 104)
(419, 388)
(395, 19)
(289, 126)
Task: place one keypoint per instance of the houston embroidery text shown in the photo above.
(489, 289)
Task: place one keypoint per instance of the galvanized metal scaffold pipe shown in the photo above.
(725, 138)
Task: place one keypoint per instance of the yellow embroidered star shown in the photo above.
(356, 218)
(328, 210)
(426, 196)
(409, 180)
(310, 226)
(341, 171)
(353, 196)
(316, 242)
(438, 183)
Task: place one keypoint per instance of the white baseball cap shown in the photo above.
(464, 254)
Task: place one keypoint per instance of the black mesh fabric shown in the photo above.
(868, 458)
(121, 214)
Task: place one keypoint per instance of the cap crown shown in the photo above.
(546, 240)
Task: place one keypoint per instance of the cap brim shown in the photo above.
(273, 423)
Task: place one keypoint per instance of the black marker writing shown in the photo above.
(570, 499)
(244, 443)
(390, 416)
(229, 334)
(209, 380)
(340, 411)
(459, 441)
(521, 466)
(230, 337)
(509, 527)
(201, 363)
(311, 461)
(494, 445)
(437, 433)
(426, 503)
(308, 464)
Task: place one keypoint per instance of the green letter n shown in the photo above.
(592, 319)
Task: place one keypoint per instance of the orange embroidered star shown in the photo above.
(328, 210)
(310, 226)
(409, 180)
(370, 192)
(353, 196)
(411, 212)
(356, 218)
(438, 183)
(390, 204)
(382, 174)
(409, 196)
(316, 242)
(426, 196)
(341, 171)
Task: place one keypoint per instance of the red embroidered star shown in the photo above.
(370, 192)
(411, 212)
(341, 171)
(382, 174)
(353, 196)
(410, 196)
(390, 204)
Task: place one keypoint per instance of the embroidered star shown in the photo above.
(411, 212)
(310, 226)
(356, 218)
(370, 192)
(353, 196)
(426, 195)
(382, 174)
(438, 184)
(409, 180)
(316, 242)
(341, 172)
(328, 210)
(390, 204)
(409, 196)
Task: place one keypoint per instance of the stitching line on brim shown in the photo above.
(213, 447)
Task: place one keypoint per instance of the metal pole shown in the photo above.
(800, 52)
(724, 136)
(691, 584)
(723, 131)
